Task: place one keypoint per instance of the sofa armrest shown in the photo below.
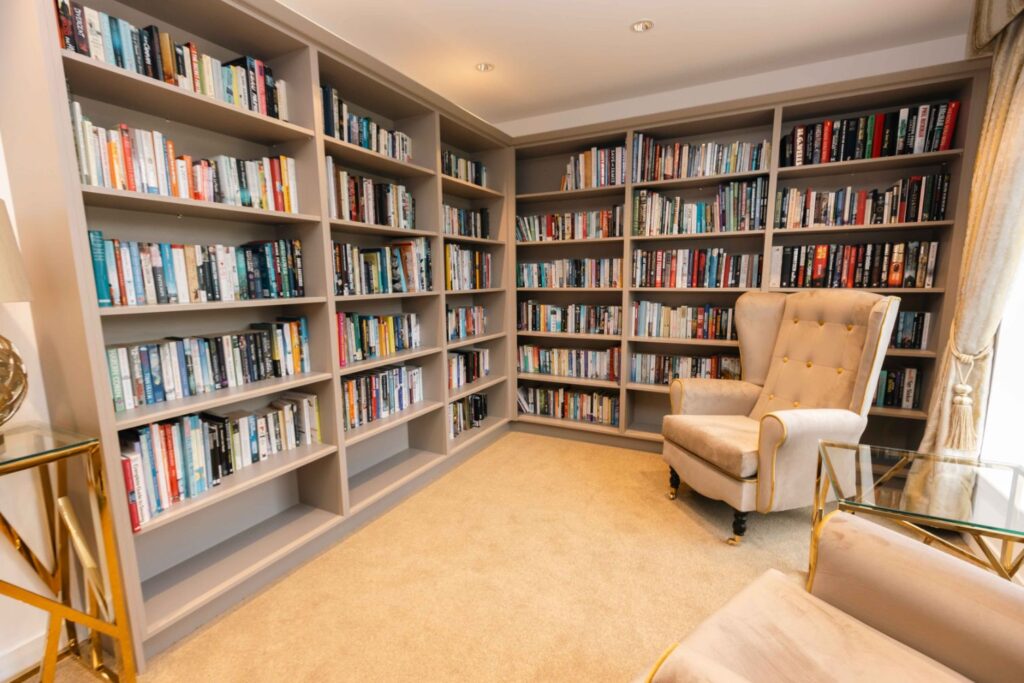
(712, 396)
(788, 452)
(944, 607)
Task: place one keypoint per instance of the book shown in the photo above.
(367, 398)
(341, 122)
(464, 322)
(874, 265)
(595, 168)
(601, 364)
(574, 225)
(466, 413)
(683, 268)
(662, 368)
(463, 168)
(654, 160)
(570, 273)
(399, 266)
(593, 407)
(362, 199)
(465, 222)
(466, 268)
(467, 365)
(737, 206)
(657, 319)
(367, 337)
(534, 316)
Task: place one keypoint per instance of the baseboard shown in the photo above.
(587, 437)
(23, 657)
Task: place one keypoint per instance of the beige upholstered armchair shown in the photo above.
(810, 363)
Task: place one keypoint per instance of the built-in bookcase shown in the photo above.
(540, 163)
(203, 554)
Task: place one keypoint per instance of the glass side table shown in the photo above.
(47, 451)
(985, 500)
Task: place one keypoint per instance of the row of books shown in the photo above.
(911, 330)
(467, 365)
(129, 273)
(737, 206)
(682, 268)
(571, 319)
(889, 264)
(168, 462)
(352, 197)
(367, 337)
(571, 225)
(655, 319)
(136, 160)
(662, 368)
(245, 82)
(361, 131)
(565, 362)
(595, 167)
(462, 168)
(467, 413)
(570, 273)
(178, 367)
(899, 388)
(465, 222)
(401, 266)
(653, 160)
(593, 407)
(376, 395)
(908, 130)
(465, 322)
(466, 268)
(913, 199)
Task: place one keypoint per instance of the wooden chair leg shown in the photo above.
(739, 528)
(673, 484)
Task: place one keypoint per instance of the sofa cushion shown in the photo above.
(727, 441)
(773, 630)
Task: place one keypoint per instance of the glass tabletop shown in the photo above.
(955, 492)
(35, 443)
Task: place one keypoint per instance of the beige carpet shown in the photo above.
(540, 559)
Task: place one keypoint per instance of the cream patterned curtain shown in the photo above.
(992, 255)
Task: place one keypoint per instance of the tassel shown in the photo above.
(962, 435)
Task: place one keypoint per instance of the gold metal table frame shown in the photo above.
(1004, 564)
(106, 612)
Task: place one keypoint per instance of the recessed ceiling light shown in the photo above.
(485, 67)
(642, 26)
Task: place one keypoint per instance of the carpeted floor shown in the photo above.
(540, 559)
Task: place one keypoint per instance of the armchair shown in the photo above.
(810, 363)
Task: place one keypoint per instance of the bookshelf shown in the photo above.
(206, 553)
(541, 159)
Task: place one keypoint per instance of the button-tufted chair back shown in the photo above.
(828, 347)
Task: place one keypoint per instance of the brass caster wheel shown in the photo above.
(672, 494)
(734, 540)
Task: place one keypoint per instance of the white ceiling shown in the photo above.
(552, 56)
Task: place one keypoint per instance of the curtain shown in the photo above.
(992, 254)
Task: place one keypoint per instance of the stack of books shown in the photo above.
(466, 222)
(401, 266)
(653, 160)
(379, 394)
(655, 319)
(579, 363)
(572, 273)
(366, 337)
(465, 322)
(682, 268)
(572, 319)
(594, 407)
(911, 330)
(595, 168)
(467, 365)
(361, 131)
(130, 273)
(738, 206)
(462, 168)
(356, 198)
(245, 82)
(662, 368)
(899, 388)
(466, 268)
(466, 413)
(572, 225)
(889, 264)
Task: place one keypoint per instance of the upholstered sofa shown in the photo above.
(879, 607)
(810, 364)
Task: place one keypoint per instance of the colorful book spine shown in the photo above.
(570, 273)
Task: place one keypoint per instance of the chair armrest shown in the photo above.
(712, 396)
(944, 607)
(788, 452)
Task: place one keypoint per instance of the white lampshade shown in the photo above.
(13, 283)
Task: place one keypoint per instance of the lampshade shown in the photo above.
(13, 283)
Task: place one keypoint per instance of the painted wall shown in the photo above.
(21, 627)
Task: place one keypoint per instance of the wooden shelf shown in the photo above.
(649, 388)
(674, 341)
(97, 80)
(368, 160)
(874, 290)
(564, 243)
(241, 481)
(470, 436)
(733, 234)
(394, 359)
(568, 289)
(342, 299)
(193, 208)
(700, 181)
(910, 353)
(372, 484)
(570, 335)
(574, 381)
(853, 229)
(645, 431)
(485, 241)
(482, 290)
(156, 412)
(696, 290)
(115, 311)
(475, 387)
(364, 432)
(862, 165)
(568, 424)
(903, 413)
(183, 589)
(467, 190)
(475, 339)
(358, 228)
(564, 195)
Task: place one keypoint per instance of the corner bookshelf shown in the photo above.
(541, 160)
(206, 553)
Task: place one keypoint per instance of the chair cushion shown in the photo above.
(727, 441)
(773, 630)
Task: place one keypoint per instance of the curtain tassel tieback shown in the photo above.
(962, 434)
